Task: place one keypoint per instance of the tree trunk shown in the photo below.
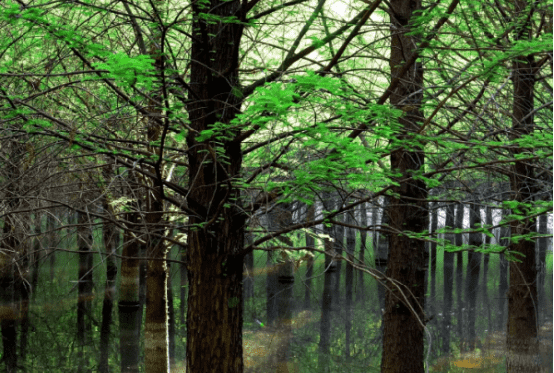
(129, 306)
(52, 242)
(459, 223)
(448, 281)
(327, 297)
(486, 302)
(216, 238)
(403, 320)
(522, 341)
(85, 286)
(284, 321)
(433, 257)
(360, 293)
(349, 279)
(339, 244)
(542, 248)
(310, 242)
(474, 266)
(504, 240)
(109, 237)
(381, 251)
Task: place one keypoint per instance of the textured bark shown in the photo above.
(458, 239)
(403, 339)
(448, 281)
(216, 237)
(472, 279)
(129, 307)
(522, 343)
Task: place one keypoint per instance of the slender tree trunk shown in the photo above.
(129, 306)
(459, 223)
(403, 338)
(183, 285)
(472, 279)
(448, 281)
(433, 257)
(310, 242)
(360, 293)
(381, 252)
(171, 325)
(541, 267)
(327, 297)
(522, 341)
(10, 246)
(486, 302)
(85, 286)
(214, 257)
(284, 321)
(504, 240)
(349, 280)
(339, 244)
(52, 242)
(108, 232)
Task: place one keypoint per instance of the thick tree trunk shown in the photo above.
(403, 338)
(216, 237)
(472, 279)
(522, 341)
(448, 281)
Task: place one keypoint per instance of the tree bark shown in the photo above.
(360, 293)
(216, 237)
(459, 223)
(129, 306)
(403, 320)
(349, 280)
(474, 267)
(448, 281)
(85, 286)
(108, 234)
(522, 343)
(310, 242)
